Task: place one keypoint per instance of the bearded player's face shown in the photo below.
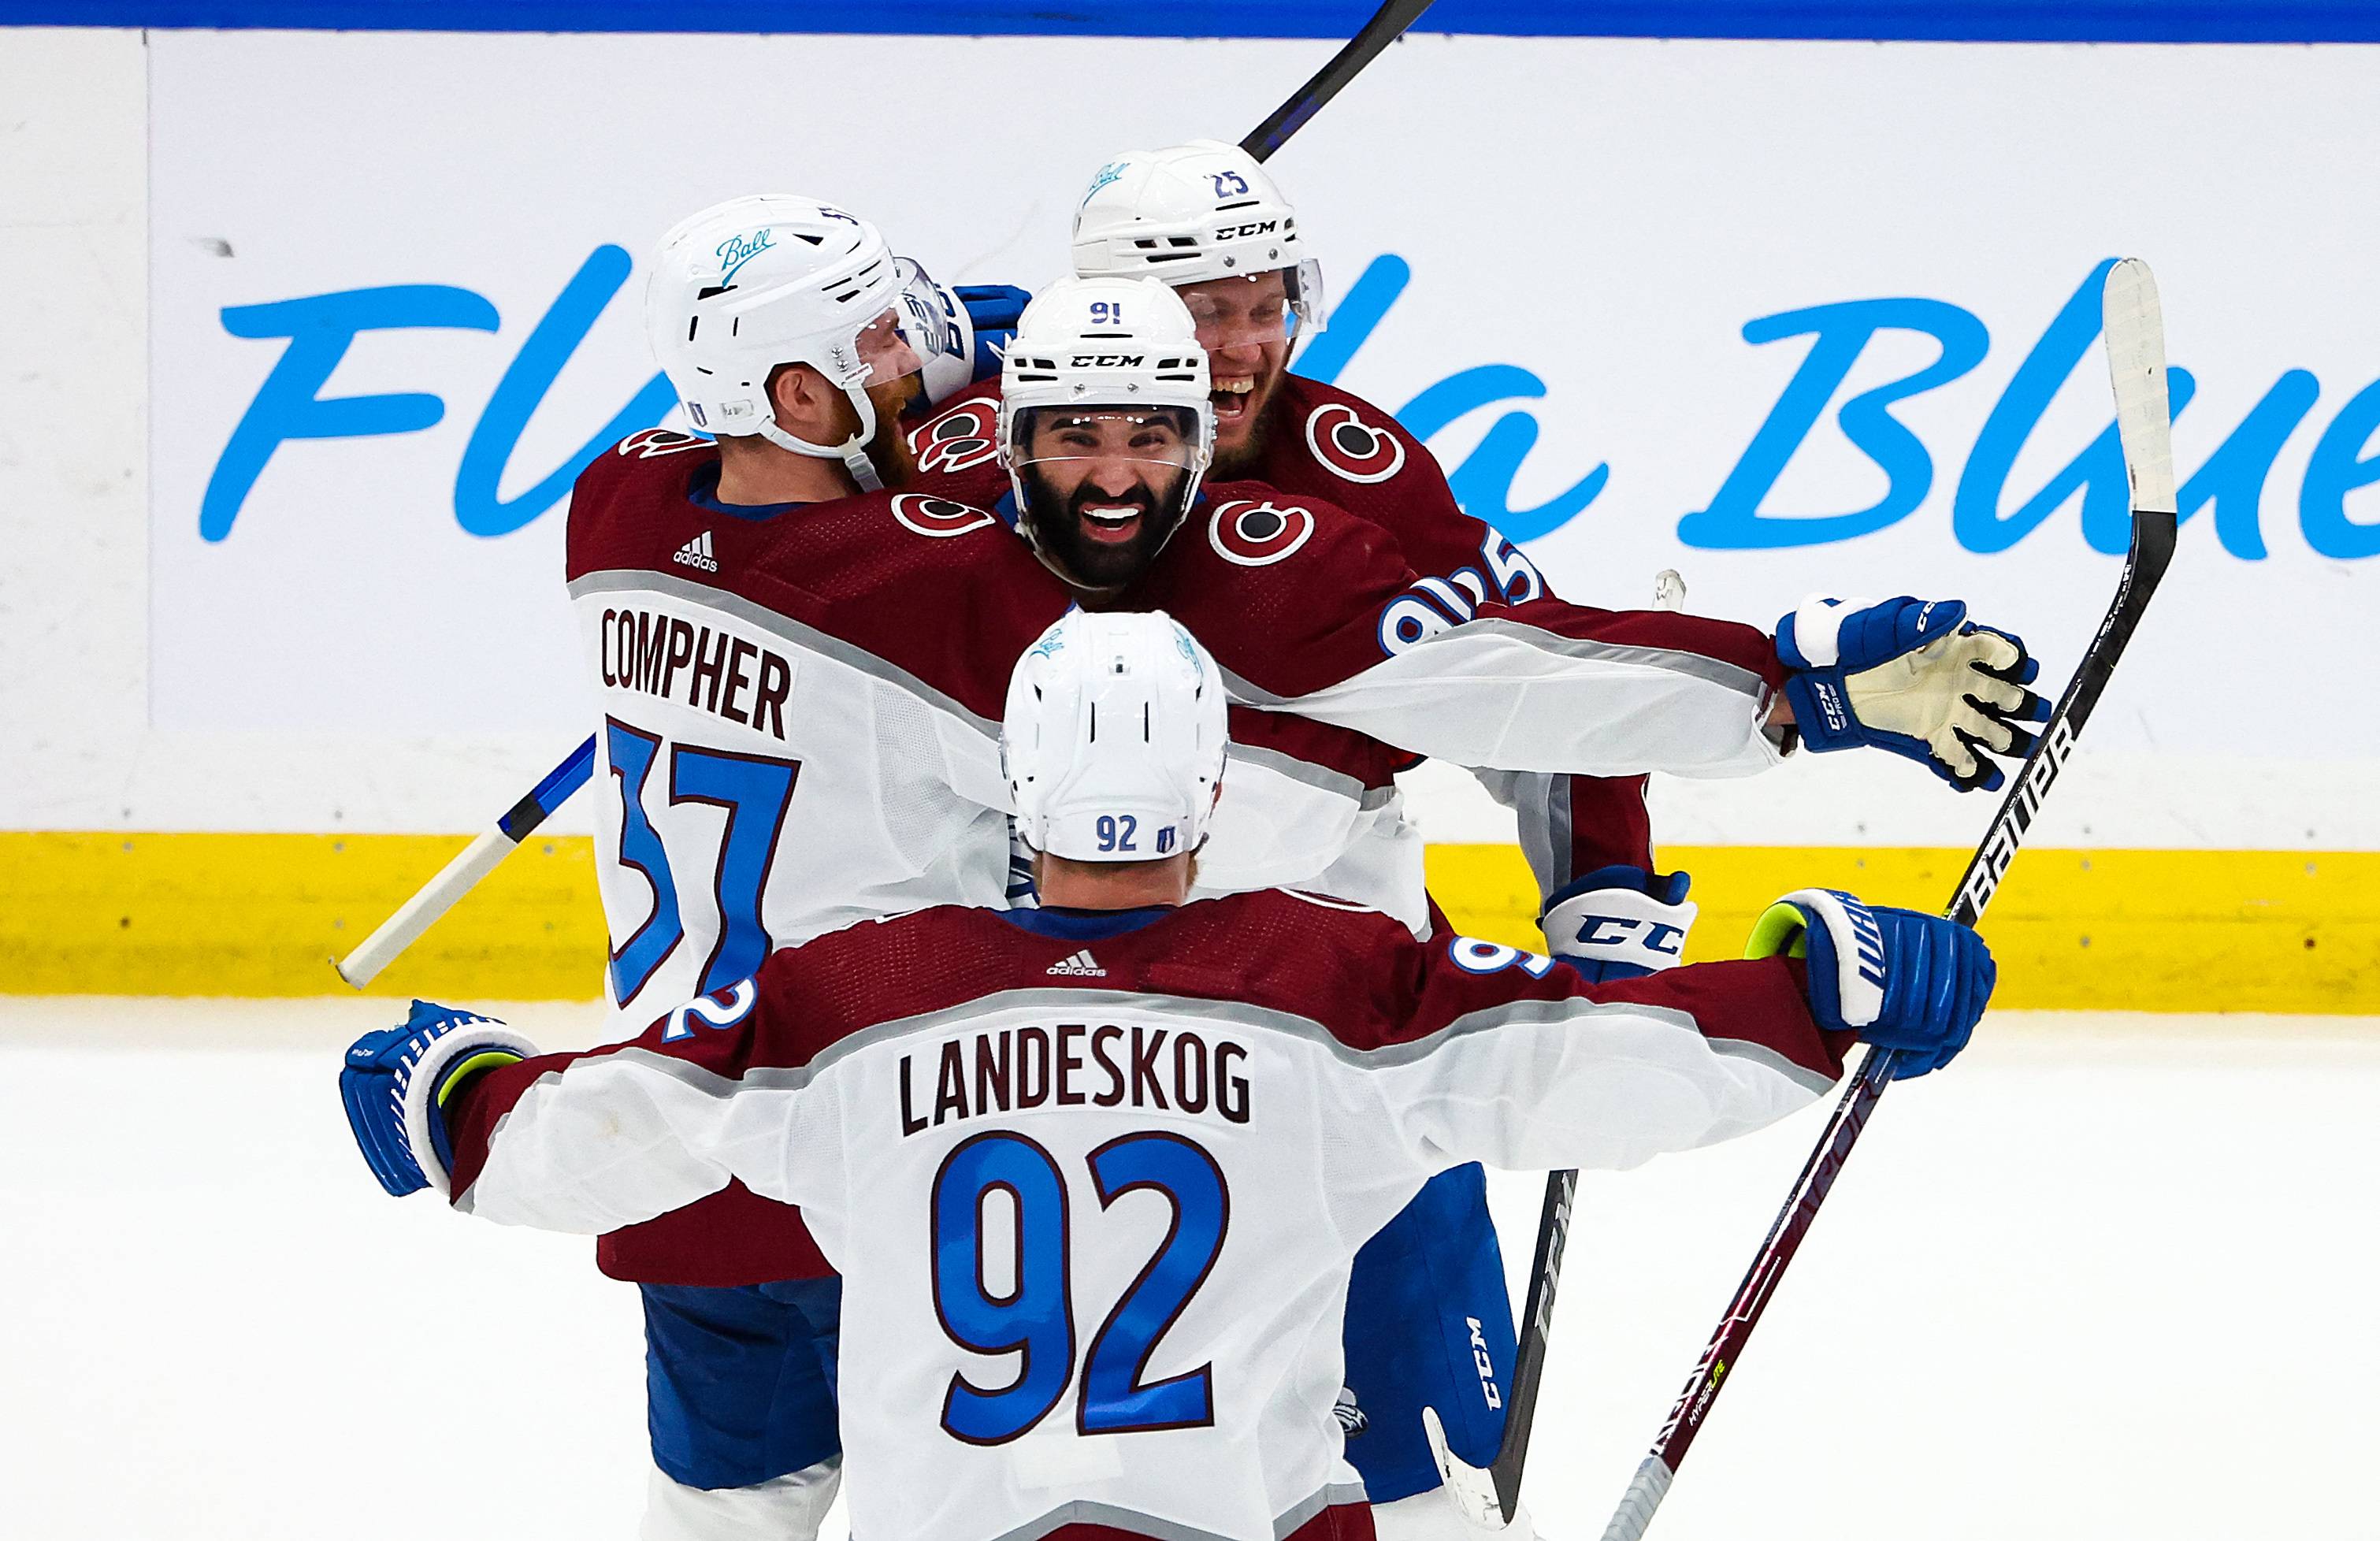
(1244, 326)
(1103, 486)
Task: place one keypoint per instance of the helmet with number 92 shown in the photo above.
(1113, 738)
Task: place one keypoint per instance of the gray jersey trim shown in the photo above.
(1074, 1002)
(1084, 1511)
(1320, 777)
(1718, 672)
(761, 618)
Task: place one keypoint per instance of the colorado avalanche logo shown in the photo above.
(938, 518)
(1248, 533)
(1350, 447)
(964, 436)
(652, 442)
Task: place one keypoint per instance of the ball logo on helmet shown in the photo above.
(959, 438)
(1248, 533)
(736, 250)
(938, 518)
(1111, 172)
(1351, 448)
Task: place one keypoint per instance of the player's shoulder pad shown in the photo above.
(1348, 436)
(647, 454)
(933, 514)
(1252, 525)
(961, 437)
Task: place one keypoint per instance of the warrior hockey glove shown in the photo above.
(1915, 984)
(1619, 922)
(1912, 677)
(396, 1081)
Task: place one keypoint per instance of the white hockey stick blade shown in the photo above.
(2134, 326)
(1669, 590)
(1470, 1488)
(418, 914)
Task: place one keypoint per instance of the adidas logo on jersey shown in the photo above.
(1081, 963)
(696, 553)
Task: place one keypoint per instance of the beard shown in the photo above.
(1237, 464)
(888, 450)
(1061, 537)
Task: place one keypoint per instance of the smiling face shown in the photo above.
(1244, 326)
(1102, 487)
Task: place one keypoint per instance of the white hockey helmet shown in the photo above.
(1116, 343)
(939, 329)
(1113, 738)
(1192, 212)
(747, 286)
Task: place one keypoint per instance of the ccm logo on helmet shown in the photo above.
(1351, 448)
(1107, 362)
(1248, 533)
(937, 518)
(1242, 232)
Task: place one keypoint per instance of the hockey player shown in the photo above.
(1432, 1283)
(1100, 1169)
(798, 704)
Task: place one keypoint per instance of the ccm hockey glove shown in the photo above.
(1913, 677)
(396, 1081)
(1619, 922)
(1915, 984)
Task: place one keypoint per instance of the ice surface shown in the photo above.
(2110, 1277)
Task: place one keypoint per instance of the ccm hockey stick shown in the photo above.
(2135, 338)
(462, 875)
(480, 857)
(1545, 1270)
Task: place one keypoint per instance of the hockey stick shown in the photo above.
(1544, 1268)
(481, 856)
(2135, 337)
(460, 876)
(1387, 25)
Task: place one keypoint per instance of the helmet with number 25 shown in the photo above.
(1191, 212)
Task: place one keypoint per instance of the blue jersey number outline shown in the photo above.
(1035, 1319)
(755, 790)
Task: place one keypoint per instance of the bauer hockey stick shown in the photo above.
(1544, 1268)
(2135, 338)
(481, 856)
(462, 873)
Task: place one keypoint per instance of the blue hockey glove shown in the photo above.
(1619, 922)
(396, 1081)
(1915, 984)
(1913, 677)
(993, 310)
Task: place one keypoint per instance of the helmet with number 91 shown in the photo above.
(1105, 427)
(1113, 738)
(1192, 212)
(745, 287)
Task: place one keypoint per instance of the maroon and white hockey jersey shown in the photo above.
(1320, 442)
(800, 719)
(1097, 1175)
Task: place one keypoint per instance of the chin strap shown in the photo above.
(852, 451)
